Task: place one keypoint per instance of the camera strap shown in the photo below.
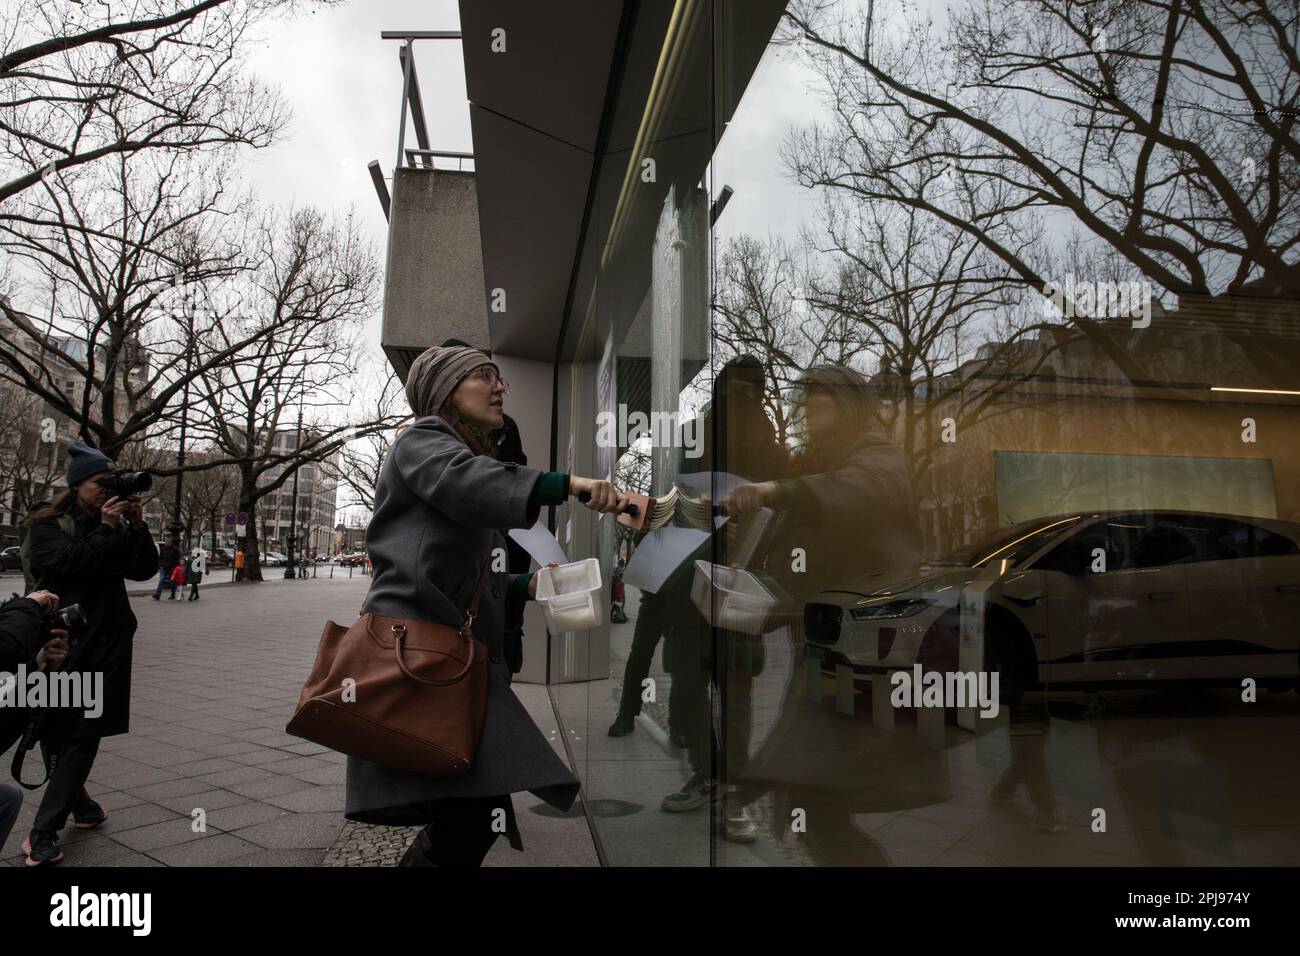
(30, 738)
(31, 735)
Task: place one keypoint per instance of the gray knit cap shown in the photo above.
(437, 372)
(85, 461)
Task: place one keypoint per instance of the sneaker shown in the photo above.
(622, 726)
(740, 828)
(88, 814)
(156, 596)
(697, 792)
(42, 848)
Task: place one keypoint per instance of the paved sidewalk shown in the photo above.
(214, 683)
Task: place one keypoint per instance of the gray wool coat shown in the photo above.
(439, 511)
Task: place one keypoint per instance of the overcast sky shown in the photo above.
(345, 87)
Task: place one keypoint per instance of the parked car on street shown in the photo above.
(356, 559)
(10, 560)
(1087, 600)
(272, 559)
(219, 557)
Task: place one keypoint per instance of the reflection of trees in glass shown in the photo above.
(1162, 131)
(934, 319)
(632, 472)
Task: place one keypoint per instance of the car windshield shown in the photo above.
(1013, 544)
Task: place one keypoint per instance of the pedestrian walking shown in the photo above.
(194, 568)
(440, 501)
(177, 578)
(168, 558)
(239, 564)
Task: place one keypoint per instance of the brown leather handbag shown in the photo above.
(402, 693)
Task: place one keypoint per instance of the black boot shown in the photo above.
(623, 725)
(419, 852)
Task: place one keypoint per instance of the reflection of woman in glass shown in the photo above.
(847, 516)
(850, 507)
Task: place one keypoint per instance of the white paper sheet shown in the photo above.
(659, 554)
(540, 543)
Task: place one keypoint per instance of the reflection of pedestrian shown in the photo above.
(617, 596)
(739, 439)
(754, 454)
(849, 505)
(1028, 766)
(194, 575)
(848, 512)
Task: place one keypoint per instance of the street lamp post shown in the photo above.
(290, 570)
(176, 526)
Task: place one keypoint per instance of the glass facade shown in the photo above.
(957, 346)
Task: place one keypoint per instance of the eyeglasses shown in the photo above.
(488, 376)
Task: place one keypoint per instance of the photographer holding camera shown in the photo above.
(24, 640)
(81, 546)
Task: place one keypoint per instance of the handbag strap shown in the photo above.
(466, 631)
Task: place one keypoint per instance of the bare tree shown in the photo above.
(118, 249)
(207, 495)
(316, 282)
(766, 306)
(1162, 130)
(357, 465)
(29, 457)
(83, 81)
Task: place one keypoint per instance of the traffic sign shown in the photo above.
(241, 518)
(230, 518)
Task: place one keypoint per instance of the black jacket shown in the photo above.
(169, 557)
(22, 632)
(88, 568)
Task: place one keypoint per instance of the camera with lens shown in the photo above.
(126, 483)
(67, 617)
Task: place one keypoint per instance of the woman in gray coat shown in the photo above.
(440, 506)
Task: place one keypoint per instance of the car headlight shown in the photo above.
(890, 611)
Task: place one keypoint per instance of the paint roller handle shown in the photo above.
(585, 496)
